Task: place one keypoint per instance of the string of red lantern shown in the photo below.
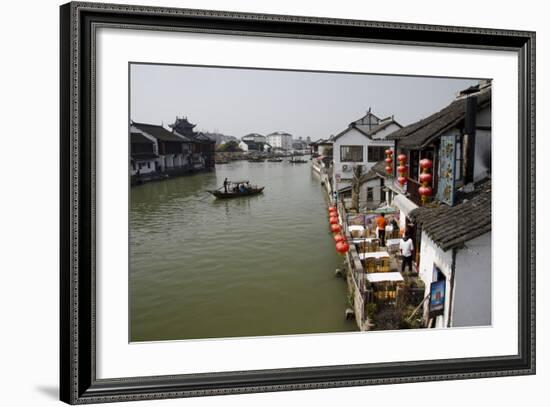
(425, 178)
(402, 169)
(389, 161)
(342, 245)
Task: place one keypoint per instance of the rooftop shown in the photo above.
(420, 134)
(139, 138)
(159, 132)
(451, 226)
(367, 127)
(376, 171)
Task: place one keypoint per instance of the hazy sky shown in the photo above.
(236, 102)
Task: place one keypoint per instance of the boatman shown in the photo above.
(225, 183)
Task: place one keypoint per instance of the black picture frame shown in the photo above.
(78, 382)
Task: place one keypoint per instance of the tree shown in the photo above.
(356, 187)
(230, 147)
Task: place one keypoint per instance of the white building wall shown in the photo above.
(377, 194)
(471, 294)
(432, 255)
(283, 141)
(243, 146)
(352, 137)
(472, 285)
(144, 167)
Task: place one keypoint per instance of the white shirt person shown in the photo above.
(406, 247)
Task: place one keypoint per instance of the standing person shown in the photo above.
(225, 183)
(381, 227)
(395, 228)
(406, 247)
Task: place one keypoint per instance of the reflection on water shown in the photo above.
(262, 265)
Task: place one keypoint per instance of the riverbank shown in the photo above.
(380, 297)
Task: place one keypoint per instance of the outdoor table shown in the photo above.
(374, 255)
(358, 228)
(392, 242)
(382, 277)
(359, 240)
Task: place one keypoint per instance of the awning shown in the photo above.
(404, 203)
(385, 210)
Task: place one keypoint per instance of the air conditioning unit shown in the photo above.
(346, 168)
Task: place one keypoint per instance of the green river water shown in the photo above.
(207, 268)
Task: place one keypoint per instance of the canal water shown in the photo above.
(207, 268)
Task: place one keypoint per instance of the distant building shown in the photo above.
(299, 145)
(204, 147)
(254, 142)
(280, 140)
(143, 154)
(172, 150)
(220, 138)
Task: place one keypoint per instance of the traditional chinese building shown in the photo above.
(204, 148)
(172, 149)
(362, 143)
(440, 181)
(143, 154)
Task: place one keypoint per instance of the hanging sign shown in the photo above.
(447, 160)
(437, 298)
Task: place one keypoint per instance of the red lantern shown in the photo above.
(388, 160)
(332, 208)
(426, 163)
(401, 169)
(332, 212)
(402, 180)
(402, 157)
(388, 170)
(342, 247)
(425, 177)
(389, 151)
(333, 220)
(425, 191)
(335, 228)
(339, 238)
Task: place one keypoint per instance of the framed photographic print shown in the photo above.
(255, 203)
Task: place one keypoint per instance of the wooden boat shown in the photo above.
(275, 160)
(237, 189)
(297, 161)
(255, 160)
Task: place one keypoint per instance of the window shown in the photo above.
(351, 153)
(414, 164)
(370, 194)
(376, 153)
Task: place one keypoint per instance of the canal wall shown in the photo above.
(354, 268)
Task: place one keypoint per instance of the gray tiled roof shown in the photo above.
(451, 226)
(421, 133)
(366, 129)
(159, 132)
(139, 138)
(376, 171)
